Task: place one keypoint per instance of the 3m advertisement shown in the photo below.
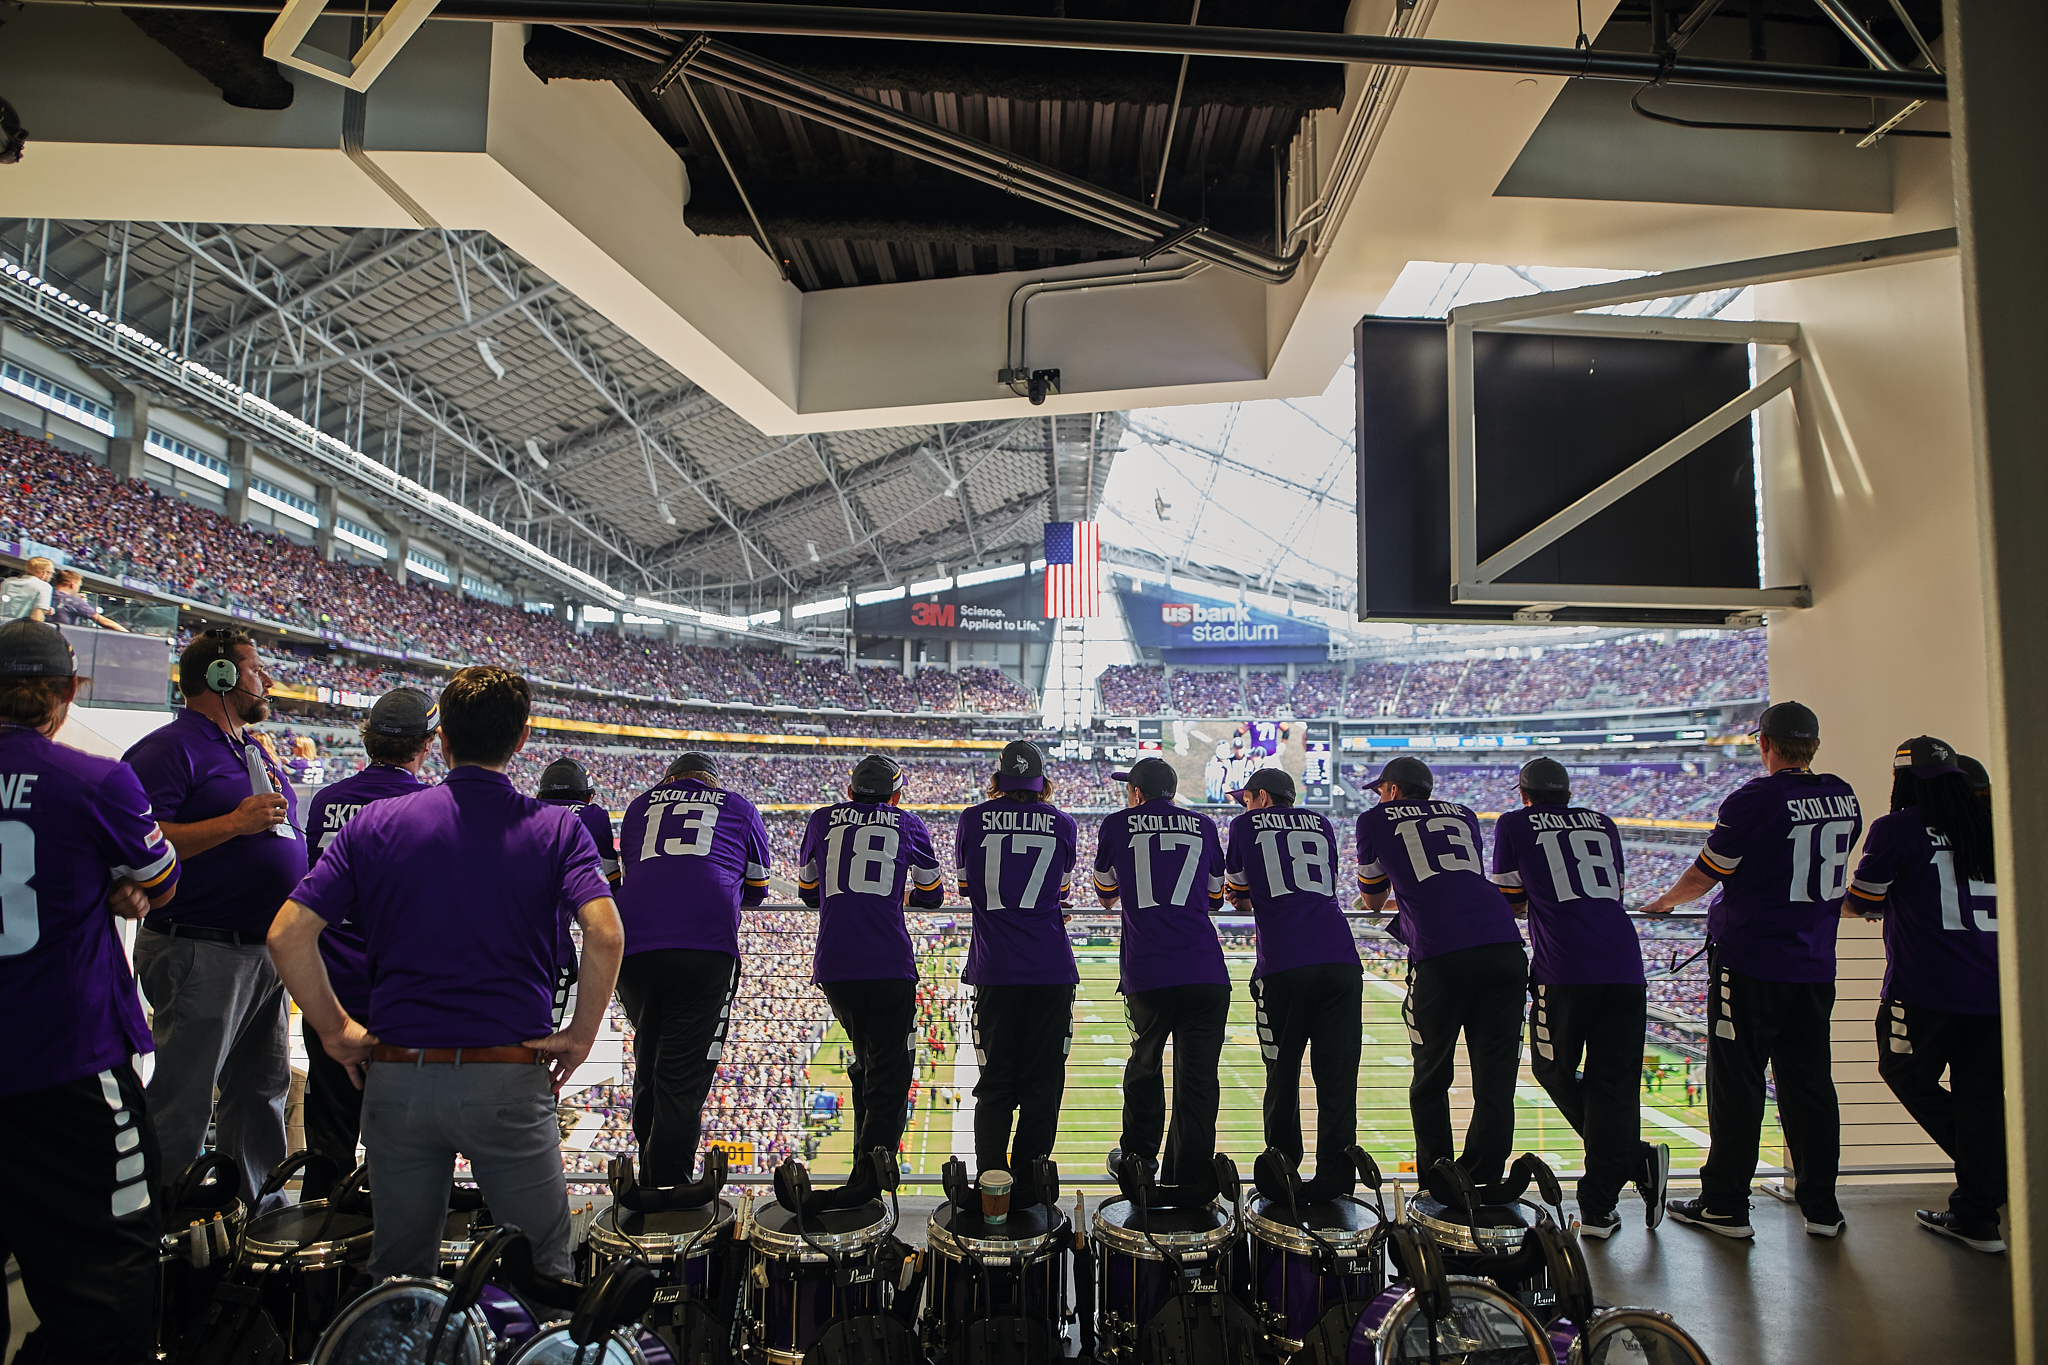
(1009, 611)
(1188, 629)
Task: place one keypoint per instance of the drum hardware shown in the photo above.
(204, 1217)
(605, 1316)
(1084, 1275)
(810, 1273)
(289, 1274)
(1431, 1315)
(696, 1320)
(1165, 1285)
(1492, 1238)
(1296, 1309)
(997, 1293)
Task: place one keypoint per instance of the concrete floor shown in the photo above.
(1885, 1291)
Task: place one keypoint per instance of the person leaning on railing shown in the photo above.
(693, 855)
(460, 891)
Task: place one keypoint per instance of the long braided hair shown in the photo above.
(1948, 806)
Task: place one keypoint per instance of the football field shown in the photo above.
(1090, 1115)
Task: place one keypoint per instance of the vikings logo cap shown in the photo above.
(1021, 768)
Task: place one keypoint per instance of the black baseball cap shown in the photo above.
(565, 777)
(1274, 780)
(1788, 720)
(876, 778)
(1926, 756)
(1154, 777)
(1545, 775)
(1020, 768)
(692, 762)
(406, 713)
(1408, 771)
(33, 649)
(1977, 773)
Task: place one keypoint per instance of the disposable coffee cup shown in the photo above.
(995, 1196)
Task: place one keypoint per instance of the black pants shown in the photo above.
(332, 1114)
(1966, 1118)
(679, 1001)
(1601, 1025)
(1022, 1035)
(1477, 991)
(78, 1175)
(1785, 1024)
(1315, 1010)
(1196, 1019)
(879, 1018)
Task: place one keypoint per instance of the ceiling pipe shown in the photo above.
(750, 16)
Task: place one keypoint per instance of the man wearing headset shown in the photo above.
(218, 1006)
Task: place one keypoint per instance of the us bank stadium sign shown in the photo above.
(1549, 739)
(1010, 610)
(1195, 630)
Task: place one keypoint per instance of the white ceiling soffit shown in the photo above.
(572, 178)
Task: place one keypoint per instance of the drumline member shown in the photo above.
(1780, 854)
(565, 783)
(78, 1154)
(1467, 972)
(1161, 866)
(1016, 854)
(219, 1014)
(460, 890)
(695, 854)
(862, 861)
(397, 737)
(1308, 987)
(1560, 866)
(1928, 869)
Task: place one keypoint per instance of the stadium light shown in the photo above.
(824, 608)
(869, 599)
(930, 585)
(995, 575)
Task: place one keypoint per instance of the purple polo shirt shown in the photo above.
(1164, 865)
(192, 771)
(1286, 859)
(693, 854)
(461, 891)
(1940, 924)
(1780, 849)
(861, 861)
(71, 824)
(337, 803)
(1432, 854)
(1016, 868)
(1564, 862)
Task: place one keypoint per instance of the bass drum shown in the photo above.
(1633, 1336)
(1482, 1324)
(627, 1346)
(394, 1324)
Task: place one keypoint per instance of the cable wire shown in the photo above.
(1635, 103)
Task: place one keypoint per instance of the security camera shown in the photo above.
(1041, 385)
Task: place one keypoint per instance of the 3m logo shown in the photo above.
(932, 614)
(1177, 613)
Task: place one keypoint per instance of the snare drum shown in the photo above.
(1015, 1269)
(302, 1281)
(1136, 1280)
(689, 1250)
(1628, 1336)
(1485, 1323)
(1499, 1232)
(1295, 1281)
(797, 1285)
(627, 1346)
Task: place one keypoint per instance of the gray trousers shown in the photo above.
(502, 1117)
(218, 1016)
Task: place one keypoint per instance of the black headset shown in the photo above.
(214, 667)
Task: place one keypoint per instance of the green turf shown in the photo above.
(1090, 1115)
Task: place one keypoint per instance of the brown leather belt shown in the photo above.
(519, 1056)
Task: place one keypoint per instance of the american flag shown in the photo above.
(1073, 569)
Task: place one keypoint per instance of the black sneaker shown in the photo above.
(1601, 1225)
(1653, 1183)
(1696, 1212)
(1827, 1223)
(1945, 1224)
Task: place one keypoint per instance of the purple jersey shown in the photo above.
(1565, 862)
(598, 821)
(461, 891)
(192, 771)
(1429, 853)
(1780, 849)
(1286, 860)
(861, 862)
(341, 945)
(71, 824)
(1016, 870)
(1940, 924)
(1264, 737)
(1164, 865)
(694, 854)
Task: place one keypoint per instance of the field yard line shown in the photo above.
(966, 1072)
(1672, 1125)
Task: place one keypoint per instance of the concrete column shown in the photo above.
(672, 632)
(457, 567)
(329, 500)
(131, 430)
(237, 496)
(1993, 49)
(565, 611)
(952, 656)
(909, 666)
(397, 545)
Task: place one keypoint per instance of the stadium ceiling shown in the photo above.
(450, 360)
